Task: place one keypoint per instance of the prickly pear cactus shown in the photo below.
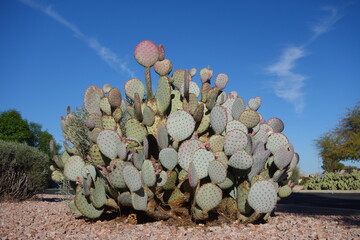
(183, 149)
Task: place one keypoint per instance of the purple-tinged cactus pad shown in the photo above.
(208, 196)
(114, 97)
(218, 118)
(283, 156)
(206, 74)
(163, 67)
(180, 125)
(92, 98)
(260, 158)
(235, 124)
(146, 53)
(217, 172)
(133, 86)
(95, 120)
(235, 140)
(276, 124)
(168, 158)
(132, 178)
(254, 103)
(228, 104)
(193, 88)
(108, 142)
(201, 159)
(241, 160)
(221, 81)
(106, 88)
(73, 167)
(275, 141)
(263, 196)
(186, 151)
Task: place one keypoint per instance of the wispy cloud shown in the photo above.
(288, 84)
(106, 54)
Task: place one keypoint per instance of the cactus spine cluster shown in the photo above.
(183, 149)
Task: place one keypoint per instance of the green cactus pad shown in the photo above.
(72, 168)
(163, 67)
(139, 199)
(133, 86)
(235, 140)
(148, 173)
(228, 104)
(242, 196)
(106, 88)
(74, 209)
(108, 122)
(146, 53)
(217, 172)
(219, 119)
(88, 169)
(208, 196)
(162, 179)
(124, 199)
(235, 124)
(221, 81)
(285, 191)
(275, 141)
(135, 129)
(237, 108)
(204, 123)
(178, 78)
(148, 116)
(132, 178)
(180, 125)
(117, 114)
(186, 151)
(95, 120)
(115, 176)
(162, 137)
(254, 103)
(216, 143)
(98, 194)
(138, 158)
(57, 176)
(201, 159)
(177, 198)
(85, 207)
(283, 156)
(105, 105)
(168, 158)
(228, 182)
(241, 160)
(92, 98)
(249, 118)
(109, 143)
(163, 94)
(276, 124)
(170, 181)
(263, 196)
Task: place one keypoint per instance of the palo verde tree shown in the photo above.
(341, 143)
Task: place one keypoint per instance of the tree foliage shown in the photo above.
(341, 143)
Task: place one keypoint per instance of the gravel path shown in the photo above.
(49, 219)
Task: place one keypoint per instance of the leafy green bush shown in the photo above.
(334, 181)
(23, 170)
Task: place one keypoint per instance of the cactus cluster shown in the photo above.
(181, 150)
(334, 181)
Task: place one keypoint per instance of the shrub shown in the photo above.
(24, 170)
(334, 181)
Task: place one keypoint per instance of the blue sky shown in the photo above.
(301, 57)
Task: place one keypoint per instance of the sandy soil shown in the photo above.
(48, 217)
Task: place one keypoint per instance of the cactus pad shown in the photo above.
(135, 129)
(146, 53)
(262, 196)
(217, 172)
(163, 94)
(132, 178)
(235, 124)
(221, 81)
(186, 150)
(86, 208)
(133, 86)
(241, 160)
(180, 125)
(276, 124)
(92, 98)
(109, 142)
(201, 159)
(249, 118)
(168, 158)
(148, 173)
(254, 103)
(235, 140)
(283, 156)
(275, 141)
(98, 194)
(73, 167)
(208, 196)
(219, 119)
(163, 67)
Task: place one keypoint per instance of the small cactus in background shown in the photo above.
(185, 149)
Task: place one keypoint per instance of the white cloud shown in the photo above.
(106, 54)
(288, 84)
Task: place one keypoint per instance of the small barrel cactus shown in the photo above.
(185, 149)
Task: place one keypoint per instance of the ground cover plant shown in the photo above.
(183, 150)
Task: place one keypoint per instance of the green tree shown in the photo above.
(13, 127)
(341, 143)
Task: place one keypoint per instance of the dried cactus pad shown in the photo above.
(263, 196)
(208, 196)
(133, 86)
(180, 125)
(218, 118)
(109, 143)
(201, 159)
(168, 158)
(73, 167)
(146, 53)
(92, 98)
(235, 140)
